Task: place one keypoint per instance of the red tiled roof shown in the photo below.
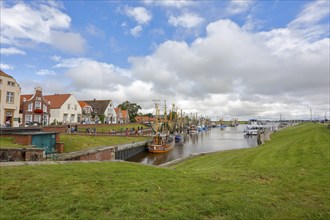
(83, 104)
(26, 97)
(124, 113)
(57, 100)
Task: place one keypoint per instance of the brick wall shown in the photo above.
(22, 139)
(57, 128)
(21, 154)
(103, 155)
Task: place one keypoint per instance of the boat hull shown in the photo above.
(163, 148)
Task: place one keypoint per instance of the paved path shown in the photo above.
(22, 163)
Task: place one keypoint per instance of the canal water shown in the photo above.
(215, 139)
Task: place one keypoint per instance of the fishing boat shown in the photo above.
(192, 129)
(162, 140)
(161, 143)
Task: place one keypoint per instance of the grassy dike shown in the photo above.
(287, 178)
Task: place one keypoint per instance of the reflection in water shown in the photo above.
(215, 139)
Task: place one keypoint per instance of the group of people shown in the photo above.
(72, 129)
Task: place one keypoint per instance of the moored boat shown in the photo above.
(192, 129)
(161, 144)
(162, 140)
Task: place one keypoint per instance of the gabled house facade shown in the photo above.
(122, 115)
(10, 92)
(34, 109)
(102, 111)
(86, 112)
(64, 109)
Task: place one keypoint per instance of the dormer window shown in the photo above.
(38, 105)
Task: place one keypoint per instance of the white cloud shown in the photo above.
(238, 66)
(6, 66)
(56, 58)
(68, 42)
(91, 74)
(239, 6)
(186, 20)
(45, 72)
(139, 14)
(95, 31)
(312, 13)
(11, 51)
(136, 31)
(69, 63)
(302, 34)
(24, 23)
(170, 3)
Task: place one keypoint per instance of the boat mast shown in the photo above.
(165, 117)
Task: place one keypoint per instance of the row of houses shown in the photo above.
(18, 109)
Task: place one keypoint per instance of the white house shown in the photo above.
(64, 108)
(10, 92)
(102, 108)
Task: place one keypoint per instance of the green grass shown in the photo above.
(286, 178)
(82, 142)
(8, 142)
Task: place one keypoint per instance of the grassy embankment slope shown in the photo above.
(287, 178)
(74, 143)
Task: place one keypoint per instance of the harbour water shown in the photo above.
(214, 139)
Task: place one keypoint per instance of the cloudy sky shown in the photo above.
(218, 58)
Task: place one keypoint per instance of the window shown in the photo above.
(69, 106)
(38, 105)
(65, 117)
(75, 107)
(10, 97)
(45, 120)
(30, 107)
(37, 118)
(28, 119)
(87, 110)
(10, 83)
(72, 117)
(44, 109)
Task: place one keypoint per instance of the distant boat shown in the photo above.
(178, 138)
(253, 129)
(192, 129)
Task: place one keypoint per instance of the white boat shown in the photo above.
(253, 129)
(192, 129)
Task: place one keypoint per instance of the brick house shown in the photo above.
(34, 108)
(9, 100)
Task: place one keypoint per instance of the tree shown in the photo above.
(132, 109)
(149, 115)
